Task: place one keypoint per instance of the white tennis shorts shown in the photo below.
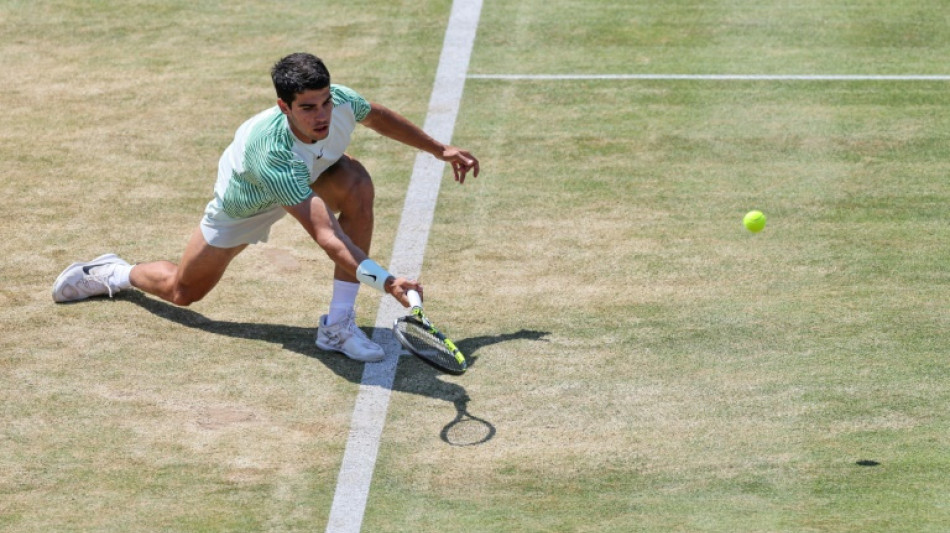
(222, 231)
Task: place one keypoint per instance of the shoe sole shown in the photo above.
(104, 258)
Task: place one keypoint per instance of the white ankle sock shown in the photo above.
(120, 276)
(344, 299)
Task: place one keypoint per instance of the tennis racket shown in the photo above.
(419, 336)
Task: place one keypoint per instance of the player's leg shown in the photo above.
(202, 266)
(347, 189)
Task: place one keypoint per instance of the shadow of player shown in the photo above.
(412, 376)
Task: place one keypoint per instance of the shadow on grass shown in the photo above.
(412, 375)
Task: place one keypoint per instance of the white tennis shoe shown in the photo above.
(91, 278)
(346, 338)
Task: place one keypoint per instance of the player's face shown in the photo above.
(309, 114)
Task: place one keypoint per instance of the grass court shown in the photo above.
(644, 362)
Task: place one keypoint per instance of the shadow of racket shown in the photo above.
(466, 429)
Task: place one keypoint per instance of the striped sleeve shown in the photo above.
(344, 95)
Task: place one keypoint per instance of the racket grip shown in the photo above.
(414, 299)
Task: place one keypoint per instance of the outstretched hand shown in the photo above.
(462, 161)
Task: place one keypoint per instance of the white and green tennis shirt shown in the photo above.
(266, 166)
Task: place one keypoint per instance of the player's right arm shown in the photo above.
(314, 215)
(389, 123)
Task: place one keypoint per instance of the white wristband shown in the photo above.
(372, 274)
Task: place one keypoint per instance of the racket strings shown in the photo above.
(423, 339)
(430, 347)
(420, 337)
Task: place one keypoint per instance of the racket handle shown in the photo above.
(414, 299)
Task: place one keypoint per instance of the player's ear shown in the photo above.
(284, 106)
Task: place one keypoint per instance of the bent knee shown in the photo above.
(346, 187)
(357, 190)
(361, 195)
(184, 297)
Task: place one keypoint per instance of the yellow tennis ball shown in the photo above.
(754, 221)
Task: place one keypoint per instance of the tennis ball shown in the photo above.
(754, 221)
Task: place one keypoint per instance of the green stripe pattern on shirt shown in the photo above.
(273, 174)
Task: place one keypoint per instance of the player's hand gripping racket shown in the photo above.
(420, 337)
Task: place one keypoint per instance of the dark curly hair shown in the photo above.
(297, 73)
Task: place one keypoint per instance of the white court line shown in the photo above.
(372, 402)
(716, 77)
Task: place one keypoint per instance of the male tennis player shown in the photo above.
(287, 159)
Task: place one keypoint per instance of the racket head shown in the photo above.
(429, 345)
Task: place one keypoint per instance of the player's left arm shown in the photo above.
(391, 124)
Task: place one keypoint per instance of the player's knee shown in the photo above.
(185, 296)
(183, 299)
(361, 194)
(364, 194)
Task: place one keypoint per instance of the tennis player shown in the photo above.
(287, 159)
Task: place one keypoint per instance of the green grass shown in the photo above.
(647, 364)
